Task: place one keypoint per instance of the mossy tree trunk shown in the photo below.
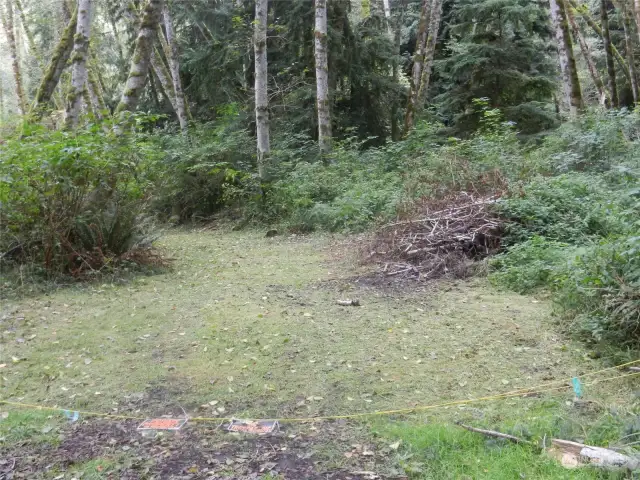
(586, 53)
(608, 50)
(604, 35)
(430, 51)
(8, 24)
(56, 66)
(629, 35)
(261, 84)
(79, 76)
(162, 75)
(570, 80)
(140, 62)
(322, 77)
(418, 63)
(173, 57)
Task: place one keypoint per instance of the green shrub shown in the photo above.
(599, 292)
(568, 208)
(530, 265)
(71, 201)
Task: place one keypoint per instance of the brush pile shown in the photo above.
(442, 238)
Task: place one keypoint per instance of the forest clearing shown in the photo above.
(319, 239)
(250, 327)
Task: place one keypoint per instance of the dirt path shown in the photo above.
(250, 327)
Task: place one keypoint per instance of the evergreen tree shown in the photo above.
(499, 50)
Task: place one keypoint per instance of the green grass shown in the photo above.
(441, 452)
(29, 426)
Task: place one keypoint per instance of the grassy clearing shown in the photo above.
(253, 324)
(248, 326)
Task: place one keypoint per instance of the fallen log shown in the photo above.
(573, 455)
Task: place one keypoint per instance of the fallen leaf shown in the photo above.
(395, 445)
(3, 365)
(87, 361)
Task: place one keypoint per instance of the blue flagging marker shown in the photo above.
(72, 416)
(577, 387)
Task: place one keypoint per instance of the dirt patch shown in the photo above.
(116, 450)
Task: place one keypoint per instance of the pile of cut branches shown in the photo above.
(441, 238)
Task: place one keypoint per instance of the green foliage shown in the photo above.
(506, 61)
(600, 289)
(71, 202)
(567, 208)
(202, 173)
(530, 264)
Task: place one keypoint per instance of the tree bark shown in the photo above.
(432, 39)
(570, 78)
(397, 39)
(418, 59)
(387, 15)
(628, 41)
(174, 67)
(636, 11)
(7, 21)
(164, 78)
(79, 74)
(56, 65)
(608, 49)
(600, 32)
(25, 26)
(586, 53)
(322, 77)
(139, 69)
(261, 82)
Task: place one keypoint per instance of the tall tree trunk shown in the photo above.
(387, 15)
(56, 66)
(25, 26)
(79, 74)
(322, 77)
(636, 11)
(174, 67)
(628, 41)
(600, 32)
(397, 39)
(430, 51)
(7, 21)
(418, 59)
(586, 53)
(608, 48)
(567, 58)
(164, 78)
(139, 69)
(261, 82)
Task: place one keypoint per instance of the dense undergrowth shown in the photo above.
(73, 203)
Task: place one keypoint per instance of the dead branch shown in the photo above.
(494, 434)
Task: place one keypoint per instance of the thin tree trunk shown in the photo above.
(432, 39)
(636, 11)
(418, 59)
(25, 26)
(586, 53)
(387, 15)
(139, 69)
(608, 49)
(395, 127)
(56, 65)
(600, 32)
(164, 78)
(628, 29)
(567, 58)
(79, 74)
(174, 67)
(261, 82)
(322, 77)
(7, 21)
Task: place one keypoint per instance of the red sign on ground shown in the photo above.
(163, 424)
